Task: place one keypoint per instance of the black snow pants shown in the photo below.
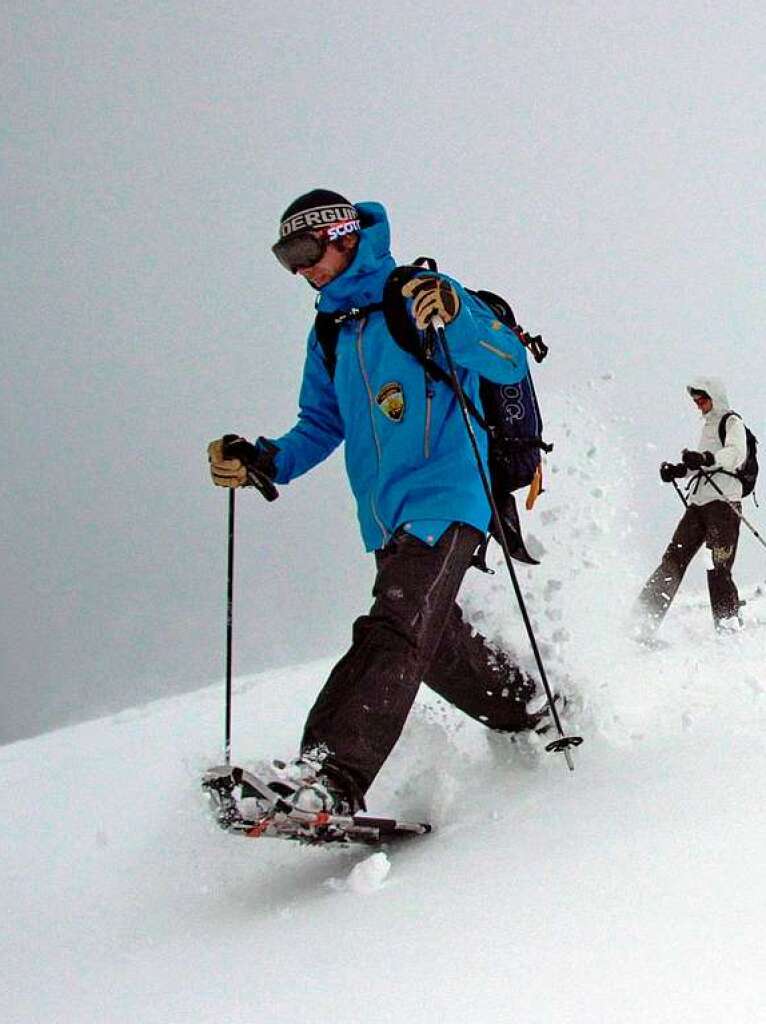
(717, 524)
(414, 632)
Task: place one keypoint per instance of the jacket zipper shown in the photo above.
(371, 401)
(427, 430)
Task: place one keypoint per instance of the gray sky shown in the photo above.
(599, 164)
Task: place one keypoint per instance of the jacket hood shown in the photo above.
(715, 388)
(362, 281)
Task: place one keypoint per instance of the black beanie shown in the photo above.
(316, 209)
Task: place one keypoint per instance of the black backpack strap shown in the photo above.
(722, 438)
(327, 329)
(402, 329)
(722, 425)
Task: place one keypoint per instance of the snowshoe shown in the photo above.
(295, 805)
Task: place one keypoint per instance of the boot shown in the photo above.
(724, 600)
(309, 785)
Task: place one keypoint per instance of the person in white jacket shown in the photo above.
(713, 496)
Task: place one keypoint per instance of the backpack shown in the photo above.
(511, 411)
(747, 473)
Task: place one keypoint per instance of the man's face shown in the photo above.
(337, 257)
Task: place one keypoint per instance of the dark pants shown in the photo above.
(414, 631)
(717, 524)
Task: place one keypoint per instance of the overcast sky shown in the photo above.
(599, 164)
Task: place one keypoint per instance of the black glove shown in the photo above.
(696, 460)
(672, 471)
(235, 462)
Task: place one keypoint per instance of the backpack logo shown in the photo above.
(512, 398)
(390, 401)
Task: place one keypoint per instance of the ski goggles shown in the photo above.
(299, 252)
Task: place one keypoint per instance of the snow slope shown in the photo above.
(629, 890)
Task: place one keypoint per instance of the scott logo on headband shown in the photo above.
(342, 229)
(317, 218)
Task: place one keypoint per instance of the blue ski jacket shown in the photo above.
(408, 456)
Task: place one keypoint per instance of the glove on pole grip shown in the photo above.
(696, 460)
(258, 460)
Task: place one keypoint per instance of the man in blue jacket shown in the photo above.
(420, 502)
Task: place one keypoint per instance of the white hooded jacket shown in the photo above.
(729, 456)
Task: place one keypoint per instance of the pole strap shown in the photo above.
(732, 505)
(680, 495)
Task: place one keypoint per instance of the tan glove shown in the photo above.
(225, 472)
(431, 296)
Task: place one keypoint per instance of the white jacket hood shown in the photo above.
(728, 454)
(714, 387)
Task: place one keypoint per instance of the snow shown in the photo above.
(629, 890)
(369, 875)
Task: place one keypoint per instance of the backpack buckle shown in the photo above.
(349, 314)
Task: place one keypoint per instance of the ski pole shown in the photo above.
(680, 495)
(563, 743)
(229, 627)
(737, 511)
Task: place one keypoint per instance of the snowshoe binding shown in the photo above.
(294, 801)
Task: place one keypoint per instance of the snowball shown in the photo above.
(369, 875)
